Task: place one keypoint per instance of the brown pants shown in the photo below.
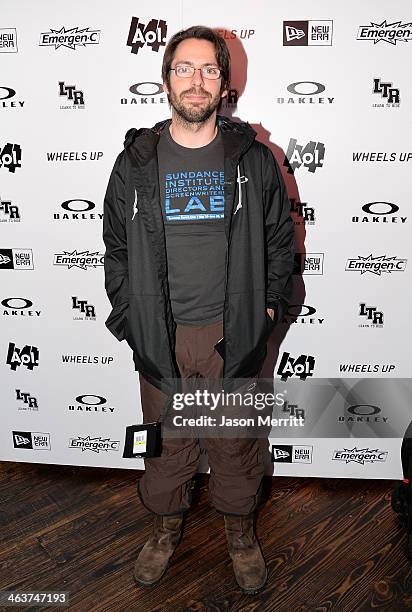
(236, 464)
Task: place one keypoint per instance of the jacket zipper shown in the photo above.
(227, 262)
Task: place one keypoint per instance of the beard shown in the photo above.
(191, 112)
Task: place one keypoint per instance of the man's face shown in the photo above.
(194, 98)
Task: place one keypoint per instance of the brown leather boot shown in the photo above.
(248, 562)
(154, 557)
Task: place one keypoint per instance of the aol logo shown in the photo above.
(153, 34)
(301, 366)
(310, 156)
(27, 356)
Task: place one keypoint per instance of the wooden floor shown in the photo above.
(329, 544)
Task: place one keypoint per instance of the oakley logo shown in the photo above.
(85, 205)
(21, 303)
(136, 89)
(390, 210)
(91, 400)
(9, 93)
(305, 85)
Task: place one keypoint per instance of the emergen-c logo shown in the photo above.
(82, 260)
(359, 455)
(376, 265)
(69, 38)
(94, 444)
(389, 32)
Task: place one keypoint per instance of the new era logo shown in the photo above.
(285, 453)
(293, 33)
(21, 440)
(278, 454)
(35, 440)
(308, 33)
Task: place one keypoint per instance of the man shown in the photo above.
(199, 247)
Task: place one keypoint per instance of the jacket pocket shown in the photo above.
(116, 320)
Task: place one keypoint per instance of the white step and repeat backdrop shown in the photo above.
(327, 87)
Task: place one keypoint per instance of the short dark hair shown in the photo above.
(202, 33)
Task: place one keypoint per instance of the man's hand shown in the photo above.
(271, 313)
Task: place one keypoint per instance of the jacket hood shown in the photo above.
(141, 143)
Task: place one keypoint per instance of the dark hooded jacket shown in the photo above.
(259, 255)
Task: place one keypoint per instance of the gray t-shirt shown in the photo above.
(193, 204)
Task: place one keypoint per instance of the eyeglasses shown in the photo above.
(185, 71)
